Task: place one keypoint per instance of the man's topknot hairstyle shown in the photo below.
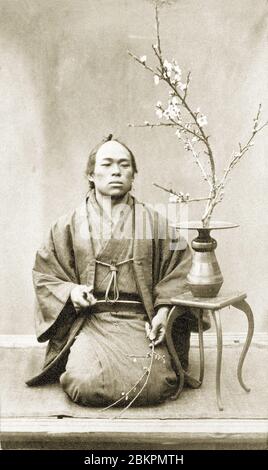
(92, 158)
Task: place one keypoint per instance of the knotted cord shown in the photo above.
(113, 281)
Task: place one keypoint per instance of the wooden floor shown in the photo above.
(76, 433)
(44, 418)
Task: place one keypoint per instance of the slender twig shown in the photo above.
(198, 162)
(183, 100)
(204, 136)
(260, 128)
(187, 84)
(123, 398)
(142, 63)
(149, 124)
(158, 35)
(242, 150)
(173, 123)
(143, 387)
(180, 196)
(219, 190)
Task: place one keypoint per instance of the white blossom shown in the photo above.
(188, 125)
(173, 198)
(202, 120)
(178, 73)
(178, 133)
(182, 86)
(177, 69)
(159, 113)
(166, 114)
(156, 79)
(187, 146)
(175, 100)
(143, 59)
(172, 112)
(167, 65)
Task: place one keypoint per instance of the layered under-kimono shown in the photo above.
(101, 353)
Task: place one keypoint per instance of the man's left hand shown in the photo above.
(157, 331)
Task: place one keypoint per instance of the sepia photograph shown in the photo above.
(134, 228)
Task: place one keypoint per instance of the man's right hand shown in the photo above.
(82, 297)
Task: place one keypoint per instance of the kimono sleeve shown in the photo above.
(174, 263)
(54, 277)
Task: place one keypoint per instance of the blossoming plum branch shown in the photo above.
(189, 125)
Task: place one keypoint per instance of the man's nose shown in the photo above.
(116, 170)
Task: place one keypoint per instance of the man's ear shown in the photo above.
(90, 179)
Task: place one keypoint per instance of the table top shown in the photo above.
(214, 303)
(197, 224)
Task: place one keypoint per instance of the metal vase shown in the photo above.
(205, 278)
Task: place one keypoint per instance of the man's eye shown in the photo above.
(105, 164)
(125, 165)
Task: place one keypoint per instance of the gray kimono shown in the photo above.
(72, 255)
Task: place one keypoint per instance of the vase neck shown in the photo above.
(204, 242)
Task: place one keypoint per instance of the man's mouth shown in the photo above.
(116, 182)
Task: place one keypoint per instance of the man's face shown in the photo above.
(113, 173)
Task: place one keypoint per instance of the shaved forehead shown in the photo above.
(112, 148)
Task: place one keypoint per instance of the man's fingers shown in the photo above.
(86, 292)
(82, 302)
(84, 295)
(147, 329)
(92, 300)
(161, 336)
(88, 296)
(152, 336)
(154, 332)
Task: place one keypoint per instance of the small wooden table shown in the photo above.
(212, 306)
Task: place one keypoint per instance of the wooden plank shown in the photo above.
(72, 426)
(137, 432)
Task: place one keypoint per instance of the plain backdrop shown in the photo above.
(66, 80)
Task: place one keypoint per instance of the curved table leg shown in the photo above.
(201, 347)
(191, 381)
(244, 306)
(183, 375)
(173, 314)
(217, 321)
